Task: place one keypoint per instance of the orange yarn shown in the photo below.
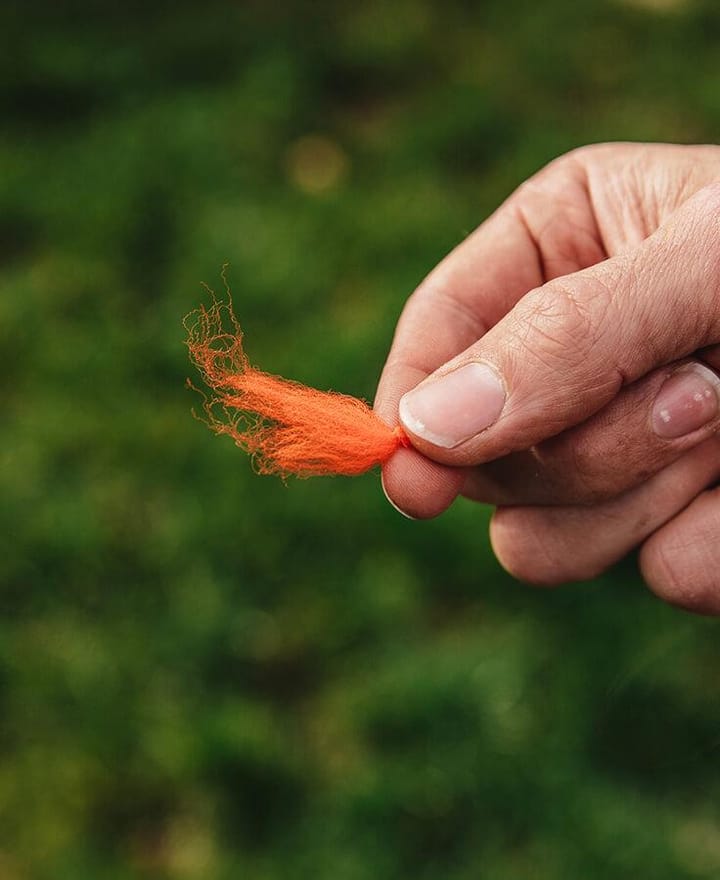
(286, 427)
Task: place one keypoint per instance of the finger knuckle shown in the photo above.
(583, 155)
(589, 152)
(560, 322)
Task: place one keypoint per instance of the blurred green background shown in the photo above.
(207, 674)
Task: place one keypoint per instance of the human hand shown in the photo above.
(566, 355)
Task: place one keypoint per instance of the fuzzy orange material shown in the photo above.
(286, 427)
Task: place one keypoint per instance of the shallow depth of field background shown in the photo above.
(207, 675)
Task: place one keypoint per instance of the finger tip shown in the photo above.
(531, 544)
(417, 487)
(390, 500)
(691, 592)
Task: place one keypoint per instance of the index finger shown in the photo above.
(454, 307)
(467, 294)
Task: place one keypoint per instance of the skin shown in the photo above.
(591, 286)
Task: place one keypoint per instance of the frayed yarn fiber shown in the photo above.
(286, 427)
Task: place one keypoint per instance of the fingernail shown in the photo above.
(688, 400)
(455, 407)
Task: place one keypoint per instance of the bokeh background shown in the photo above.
(205, 674)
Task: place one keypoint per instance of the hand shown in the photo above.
(561, 363)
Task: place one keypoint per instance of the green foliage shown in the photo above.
(205, 674)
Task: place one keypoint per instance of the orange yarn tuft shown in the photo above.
(286, 427)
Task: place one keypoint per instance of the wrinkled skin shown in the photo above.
(591, 286)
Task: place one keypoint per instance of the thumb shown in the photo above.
(568, 347)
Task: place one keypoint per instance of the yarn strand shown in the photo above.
(286, 427)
